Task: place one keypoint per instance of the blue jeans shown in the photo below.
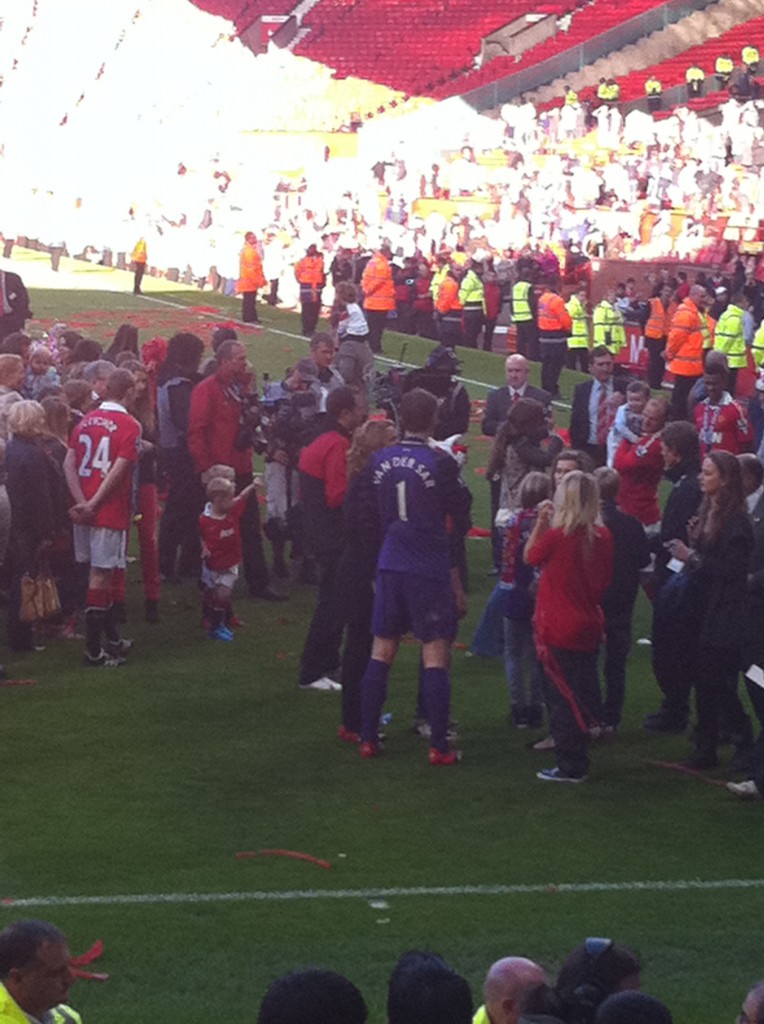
(519, 654)
(487, 639)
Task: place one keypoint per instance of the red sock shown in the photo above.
(98, 598)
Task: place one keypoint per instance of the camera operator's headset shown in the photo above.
(589, 993)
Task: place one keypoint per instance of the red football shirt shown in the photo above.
(221, 538)
(99, 439)
(722, 427)
(573, 579)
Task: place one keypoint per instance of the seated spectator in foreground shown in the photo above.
(423, 989)
(592, 972)
(634, 1008)
(312, 996)
(35, 973)
(753, 1005)
(507, 982)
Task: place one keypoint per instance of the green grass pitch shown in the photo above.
(149, 780)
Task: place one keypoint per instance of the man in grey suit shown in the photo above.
(496, 408)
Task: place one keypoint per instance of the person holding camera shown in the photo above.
(221, 426)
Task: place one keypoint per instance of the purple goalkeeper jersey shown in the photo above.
(424, 508)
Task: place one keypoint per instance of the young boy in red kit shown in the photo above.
(219, 527)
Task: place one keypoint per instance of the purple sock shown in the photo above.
(436, 690)
(373, 696)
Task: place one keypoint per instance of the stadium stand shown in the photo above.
(671, 72)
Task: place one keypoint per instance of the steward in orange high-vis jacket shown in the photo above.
(251, 278)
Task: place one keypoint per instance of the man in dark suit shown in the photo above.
(594, 406)
(496, 408)
(14, 304)
(753, 485)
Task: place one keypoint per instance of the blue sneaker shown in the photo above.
(221, 633)
(557, 775)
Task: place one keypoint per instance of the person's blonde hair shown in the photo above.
(219, 485)
(9, 365)
(218, 471)
(370, 437)
(577, 504)
(27, 419)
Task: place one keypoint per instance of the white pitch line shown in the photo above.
(299, 337)
(415, 892)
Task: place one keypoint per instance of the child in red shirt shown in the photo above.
(219, 526)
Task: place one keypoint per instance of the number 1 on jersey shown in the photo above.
(400, 488)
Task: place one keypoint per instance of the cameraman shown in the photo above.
(438, 376)
(290, 422)
(221, 426)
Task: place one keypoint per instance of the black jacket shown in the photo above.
(719, 574)
(683, 503)
(32, 492)
(631, 553)
(498, 404)
(579, 414)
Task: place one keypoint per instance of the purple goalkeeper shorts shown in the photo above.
(407, 602)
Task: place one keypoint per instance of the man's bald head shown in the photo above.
(516, 368)
(506, 984)
(698, 295)
(753, 1005)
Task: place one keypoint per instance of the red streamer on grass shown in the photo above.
(480, 470)
(206, 309)
(479, 531)
(683, 769)
(292, 854)
(89, 955)
(89, 975)
(18, 682)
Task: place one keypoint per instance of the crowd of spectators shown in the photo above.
(598, 982)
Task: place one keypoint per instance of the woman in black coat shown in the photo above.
(36, 513)
(716, 565)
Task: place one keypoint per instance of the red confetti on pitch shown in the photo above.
(479, 531)
(18, 682)
(480, 470)
(291, 854)
(683, 769)
(205, 309)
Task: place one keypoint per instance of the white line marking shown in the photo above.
(298, 895)
(299, 337)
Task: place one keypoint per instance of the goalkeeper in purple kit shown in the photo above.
(424, 511)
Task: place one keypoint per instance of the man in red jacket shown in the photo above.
(323, 483)
(215, 437)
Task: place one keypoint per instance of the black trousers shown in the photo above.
(359, 604)
(253, 555)
(140, 270)
(309, 313)
(376, 319)
(579, 671)
(682, 388)
(578, 358)
(424, 325)
(450, 332)
(674, 657)
(473, 324)
(656, 365)
(249, 308)
(552, 362)
(617, 644)
(489, 326)
(528, 340)
(321, 653)
(179, 525)
(716, 697)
